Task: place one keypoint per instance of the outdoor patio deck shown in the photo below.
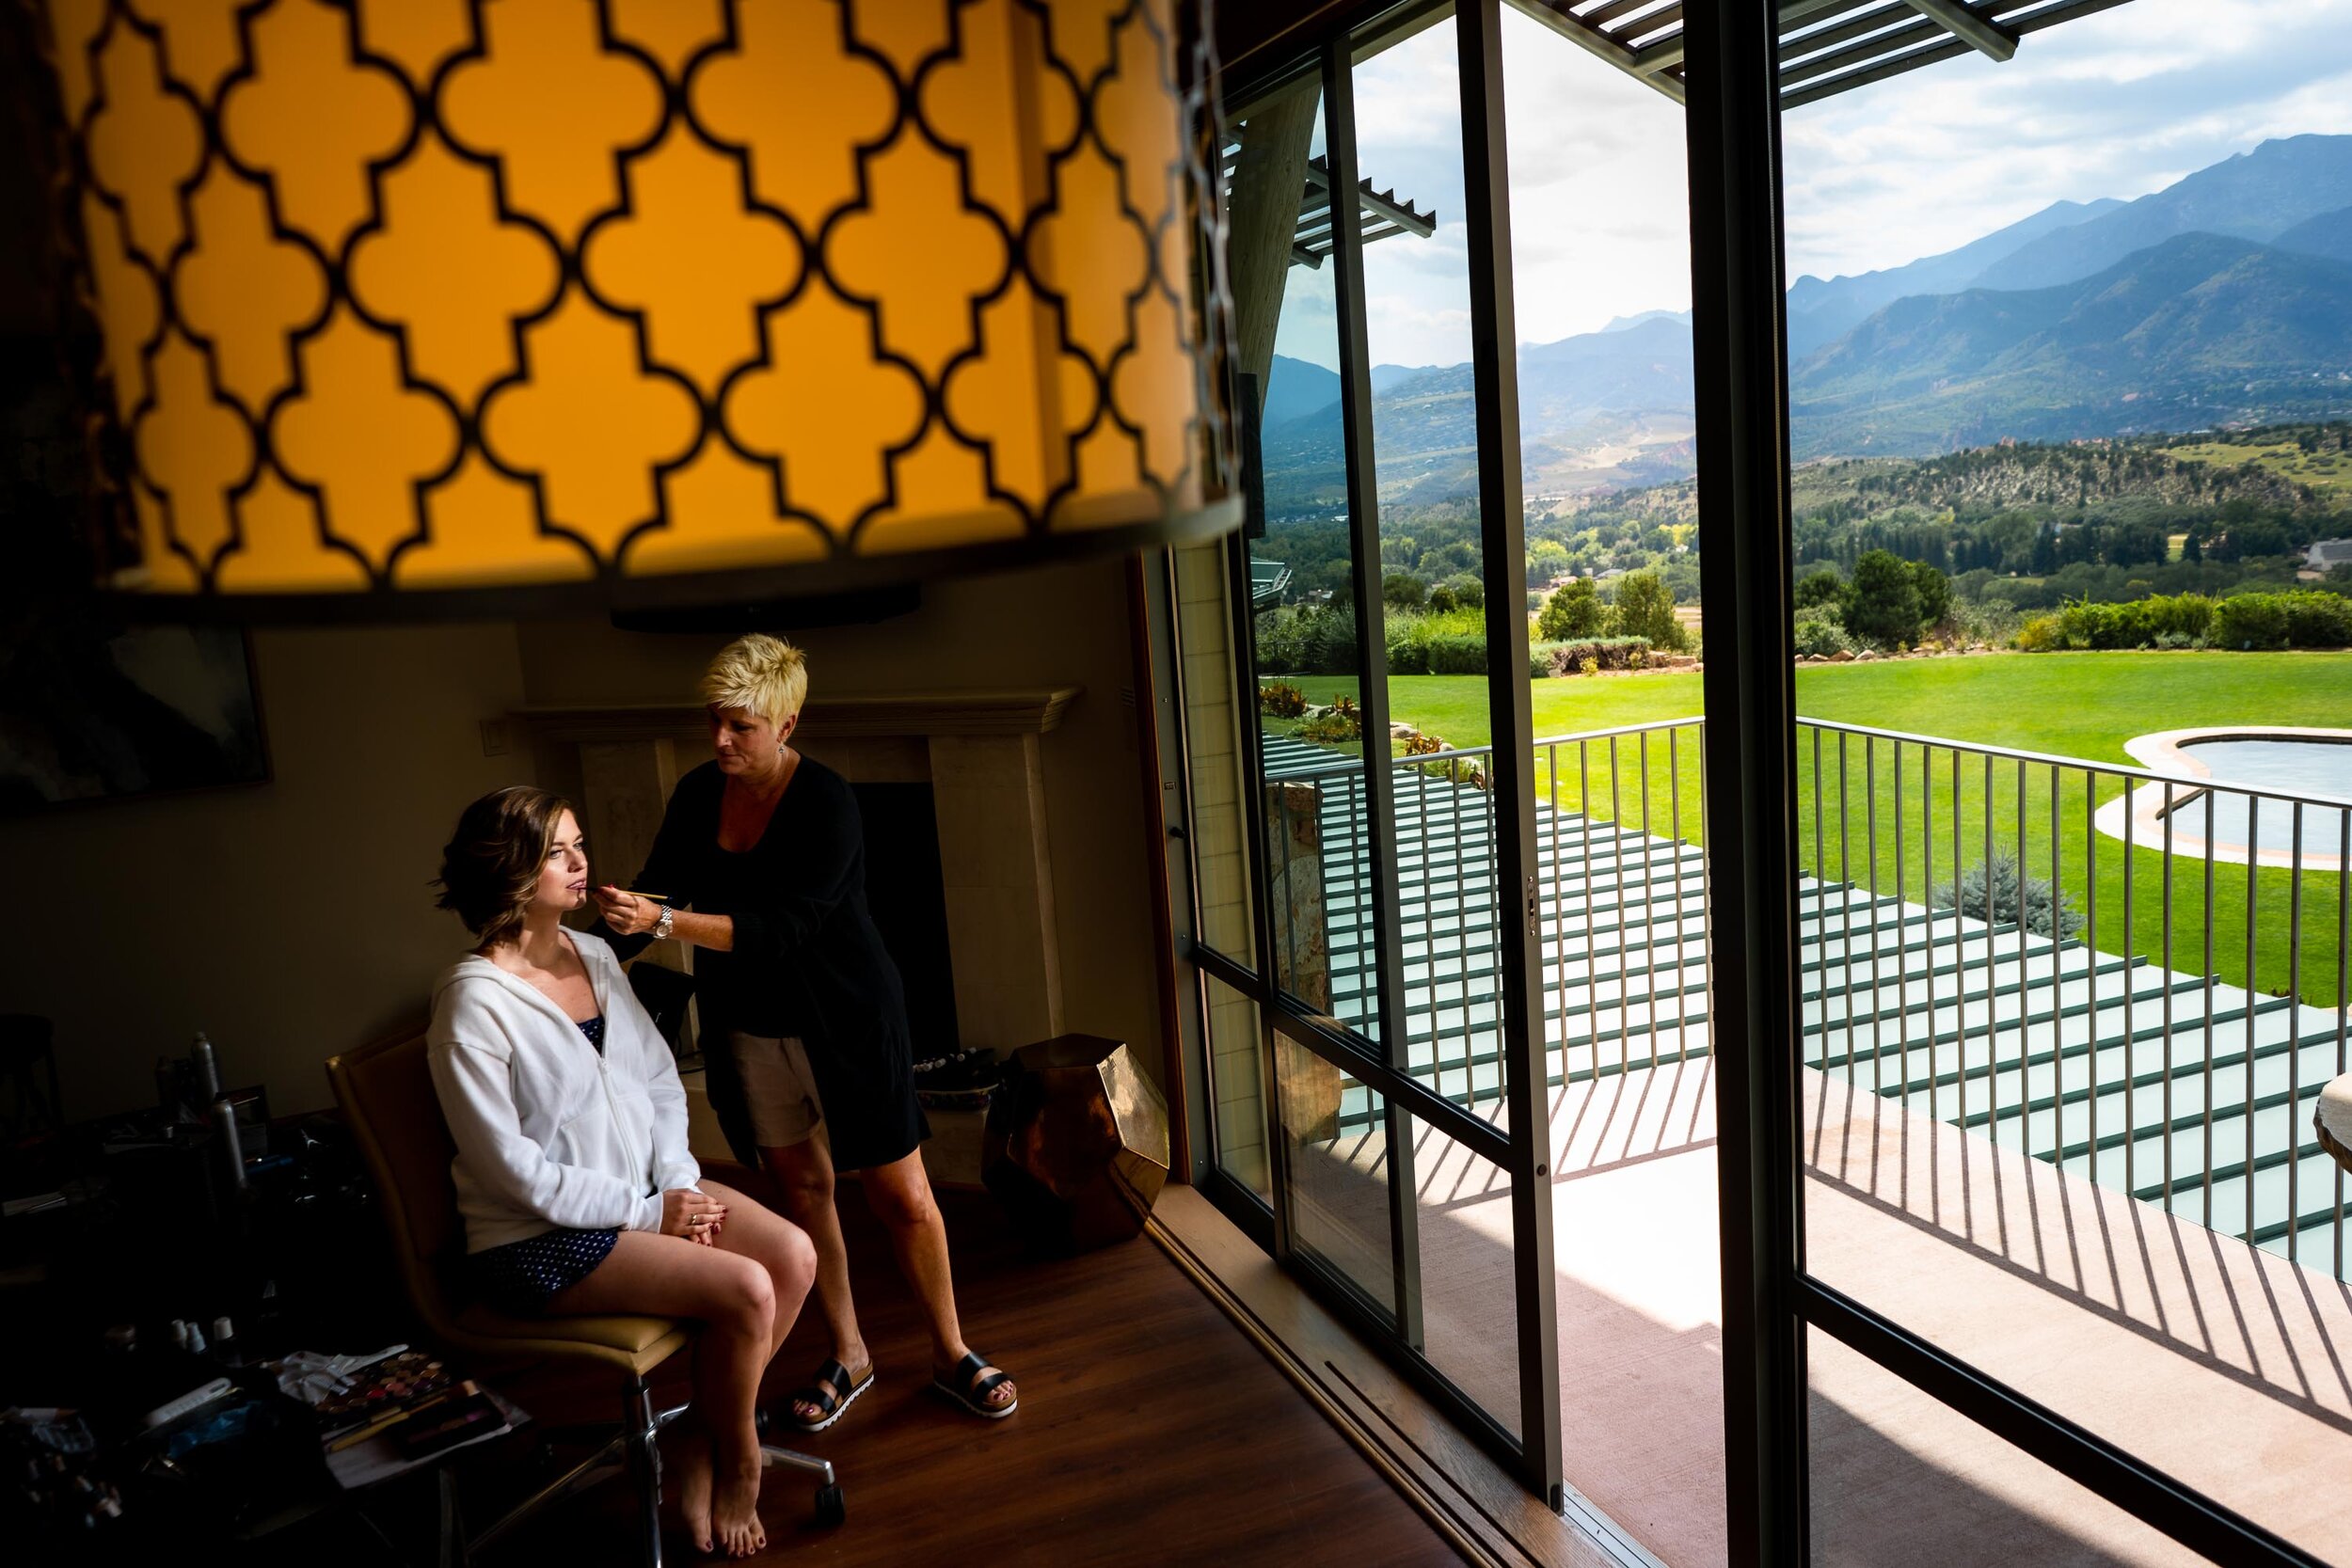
(1937, 1051)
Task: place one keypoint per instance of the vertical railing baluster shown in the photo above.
(2131, 990)
(2295, 1035)
(2058, 970)
(2168, 870)
(1461, 930)
(1902, 951)
(2253, 864)
(1870, 858)
(1625, 959)
(2344, 1002)
(1558, 991)
(1649, 905)
(1960, 957)
(2205, 1199)
(1845, 904)
(2090, 966)
(1674, 832)
(1706, 886)
(1991, 974)
(1927, 900)
(1820, 907)
(2026, 991)
(1592, 930)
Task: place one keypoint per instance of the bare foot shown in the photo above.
(735, 1512)
(693, 1465)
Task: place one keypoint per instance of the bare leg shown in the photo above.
(805, 1172)
(734, 1299)
(775, 1244)
(900, 1196)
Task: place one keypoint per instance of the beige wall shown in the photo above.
(1043, 627)
(288, 921)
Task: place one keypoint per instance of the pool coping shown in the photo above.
(2161, 751)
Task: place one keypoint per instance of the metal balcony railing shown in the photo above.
(2162, 1025)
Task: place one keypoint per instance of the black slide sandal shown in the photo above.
(966, 1388)
(833, 1393)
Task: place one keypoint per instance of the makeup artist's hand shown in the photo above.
(624, 912)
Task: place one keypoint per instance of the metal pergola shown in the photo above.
(1826, 46)
(1380, 213)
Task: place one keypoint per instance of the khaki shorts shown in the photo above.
(779, 1088)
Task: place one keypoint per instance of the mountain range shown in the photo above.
(2224, 298)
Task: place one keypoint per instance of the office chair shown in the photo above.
(386, 1091)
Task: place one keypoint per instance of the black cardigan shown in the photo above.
(807, 959)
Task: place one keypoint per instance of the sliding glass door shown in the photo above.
(1362, 871)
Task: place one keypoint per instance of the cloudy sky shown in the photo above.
(2117, 105)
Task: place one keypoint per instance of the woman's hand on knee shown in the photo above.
(696, 1216)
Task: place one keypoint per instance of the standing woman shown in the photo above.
(572, 1172)
(761, 863)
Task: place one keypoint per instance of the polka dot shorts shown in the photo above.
(520, 1277)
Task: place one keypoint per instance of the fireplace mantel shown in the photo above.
(978, 749)
(1034, 710)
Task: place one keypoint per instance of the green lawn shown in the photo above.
(2081, 705)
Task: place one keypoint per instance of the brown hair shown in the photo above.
(490, 866)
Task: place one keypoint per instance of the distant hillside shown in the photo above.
(2329, 234)
(1820, 313)
(1296, 388)
(2200, 330)
(2250, 196)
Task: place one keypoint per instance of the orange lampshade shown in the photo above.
(656, 298)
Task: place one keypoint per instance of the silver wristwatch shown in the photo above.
(661, 927)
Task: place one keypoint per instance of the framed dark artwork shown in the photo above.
(95, 708)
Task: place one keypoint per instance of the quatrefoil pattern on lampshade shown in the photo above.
(407, 296)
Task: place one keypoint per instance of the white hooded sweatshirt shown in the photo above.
(550, 1134)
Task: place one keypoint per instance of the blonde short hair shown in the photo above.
(761, 675)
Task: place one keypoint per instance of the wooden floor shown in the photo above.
(1149, 1431)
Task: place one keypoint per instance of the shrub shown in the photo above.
(1594, 654)
(2048, 912)
(2317, 620)
(1573, 610)
(2295, 619)
(2040, 635)
(1282, 700)
(1453, 655)
(1541, 665)
(1408, 633)
(1332, 727)
(2250, 620)
(1882, 603)
(1818, 634)
(1819, 589)
(1935, 592)
(1645, 608)
(1409, 647)
(2137, 623)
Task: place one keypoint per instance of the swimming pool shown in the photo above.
(2206, 763)
(2297, 766)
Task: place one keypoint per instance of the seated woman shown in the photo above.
(572, 1174)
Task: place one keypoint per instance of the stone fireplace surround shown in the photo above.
(978, 750)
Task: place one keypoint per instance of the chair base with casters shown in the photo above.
(386, 1091)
